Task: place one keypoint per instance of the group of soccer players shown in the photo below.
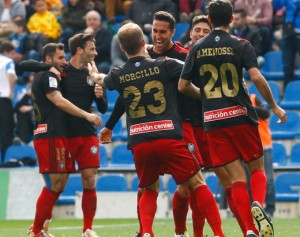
(166, 118)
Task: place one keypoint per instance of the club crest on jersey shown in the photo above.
(94, 150)
(191, 147)
(89, 81)
(52, 82)
(137, 64)
(217, 38)
(62, 165)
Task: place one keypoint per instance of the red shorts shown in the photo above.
(85, 151)
(202, 143)
(53, 155)
(235, 142)
(164, 154)
(190, 138)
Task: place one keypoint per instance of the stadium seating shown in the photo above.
(103, 156)
(18, 152)
(283, 187)
(214, 185)
(19, 91)
(291, 97)
(119, 134)
(111, 98)
(121, 156)
(181, 28)
(272, 69)
(288, 130)
(112, 183)
(295, 155)
(73, 186)
(135, 182)
(279, 154)
(171, 186)
(274, 88)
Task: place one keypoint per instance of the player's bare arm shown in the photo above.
(95, 75)
(188, 88)
(264, 89)
(56, 98)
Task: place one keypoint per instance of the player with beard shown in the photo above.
(162, 33)
(84, 146)
(50, 133)
(146, 88)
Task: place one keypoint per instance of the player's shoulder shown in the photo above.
(178, 47)
(239, 40)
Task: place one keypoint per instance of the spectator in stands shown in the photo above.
(25, 45)
(116, 6)
(103, 37)
(118, 57)
(72, 21)
(9, 9)
(29, 8)
(7, 82)
(263, 115)
(259, 13)
(18, 38)
(290, 45)
(24, 114)
(44, 22)
(142, 11)
(241, 28)
(188, 9)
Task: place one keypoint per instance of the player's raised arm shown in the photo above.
(95, 75)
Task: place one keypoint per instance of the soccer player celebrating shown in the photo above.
(216, 62)
(84, 146)
(162, 33)
(146, 87)
(50, 134)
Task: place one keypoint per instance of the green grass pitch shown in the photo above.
(128, 227)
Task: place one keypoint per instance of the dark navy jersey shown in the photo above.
(188, 107)
(79, 89)
(49, 120)
(215, 64)
(146, 88)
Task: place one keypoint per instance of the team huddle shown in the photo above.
(186, 108)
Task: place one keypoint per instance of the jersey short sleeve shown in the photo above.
(249, 59)
(49, 82)
(108, 82)
(10, 68)
(174, 67)
(187, 71)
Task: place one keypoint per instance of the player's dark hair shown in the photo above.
(165, 16)
(220, 12)
(50, 49)
(199, 19)
(240, 11)
(130, 36)
(79, 41)
(6, 46)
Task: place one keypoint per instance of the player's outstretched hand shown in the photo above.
(95, 119)
(93, 71)
(105, 135)
(281, 114)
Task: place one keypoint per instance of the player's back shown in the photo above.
(148, 92)
(219, 59)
